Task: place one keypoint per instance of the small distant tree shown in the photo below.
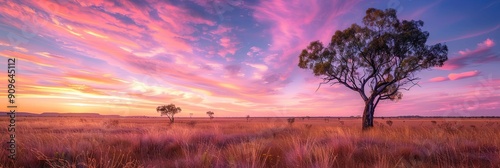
(168, 110)
(291, 120)
(190, 115)
(248, 117)
(210, 114)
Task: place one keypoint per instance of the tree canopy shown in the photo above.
(168, 110)
(210, 114)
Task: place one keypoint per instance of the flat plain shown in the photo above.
(257, 142)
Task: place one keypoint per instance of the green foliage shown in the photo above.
(168, 110)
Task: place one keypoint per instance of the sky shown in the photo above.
(232, 57)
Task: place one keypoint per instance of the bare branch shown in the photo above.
(321, 84)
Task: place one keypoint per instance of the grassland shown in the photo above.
(260, 142)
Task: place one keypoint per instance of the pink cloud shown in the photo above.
(438, 79)
(81, 20)
(221, 30)
(473, 34)
(260, 67)
(219, 7)
(229, 46)
(293, 25)
(418, 13)
(270, 59)
(468, 74)
(35, 59)
(254, 51)
(480, 54)
(488, 43)
(455, 76)
(225, 42)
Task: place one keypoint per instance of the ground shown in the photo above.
(259, 142)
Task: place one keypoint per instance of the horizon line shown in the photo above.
(93, 114)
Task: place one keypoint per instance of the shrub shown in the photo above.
(111, 123)
(191, 123)
(389, 122)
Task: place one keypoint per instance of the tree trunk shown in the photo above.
(368, 114)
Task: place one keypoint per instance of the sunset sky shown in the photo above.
(233, 57)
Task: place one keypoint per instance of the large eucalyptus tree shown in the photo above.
(376, 60)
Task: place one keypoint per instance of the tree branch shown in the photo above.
(376, 101)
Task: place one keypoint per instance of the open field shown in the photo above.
(260, 142)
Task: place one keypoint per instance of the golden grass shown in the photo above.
(262, 142)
